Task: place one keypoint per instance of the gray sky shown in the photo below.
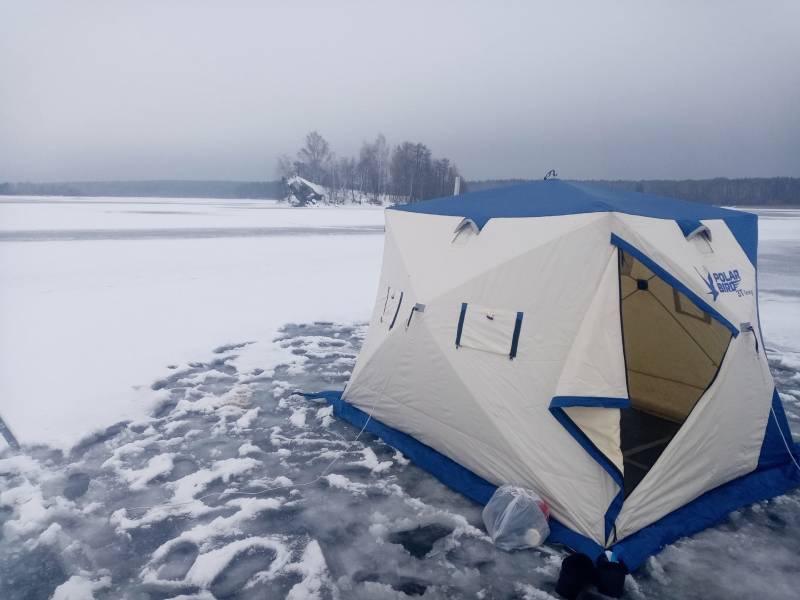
(217, 90)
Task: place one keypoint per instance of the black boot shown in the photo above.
(577, 573)
(610, 577)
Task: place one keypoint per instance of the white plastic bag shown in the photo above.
(516, 518)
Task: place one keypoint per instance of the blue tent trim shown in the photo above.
(515, 336)
(461, 315)
(773, 448)
(703, 512)
(555, 197)
(689, 226)
(591, 401)
(673, 281)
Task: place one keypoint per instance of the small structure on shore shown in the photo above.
(303, 192)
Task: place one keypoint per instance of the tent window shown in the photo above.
(673, 351)
(489, 329)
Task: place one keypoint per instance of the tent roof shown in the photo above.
(555, 197)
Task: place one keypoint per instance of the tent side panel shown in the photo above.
(483, 409)
(722, 437)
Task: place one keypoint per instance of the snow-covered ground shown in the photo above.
(98, 295)
(175, 354)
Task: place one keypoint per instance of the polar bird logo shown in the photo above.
(709, 281)
(723, 282)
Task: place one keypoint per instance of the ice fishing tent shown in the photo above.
(601, 348)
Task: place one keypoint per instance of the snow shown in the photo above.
(371, 462)
(188, 487)
(138, 479)
(78, 587)
(298, 418)
(209, 565)
(779, 280)
(89, 324)
(222, 482)
(316, 511)
(56, 213)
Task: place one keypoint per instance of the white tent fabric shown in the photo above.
(490, 410)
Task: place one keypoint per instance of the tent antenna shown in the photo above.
(550, 174)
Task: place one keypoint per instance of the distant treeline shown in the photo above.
(149, 189)
(752, 191)
(407, 172)
(766, 191)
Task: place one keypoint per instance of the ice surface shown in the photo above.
(220, 490)
(87, 323)
(80, 588)
(49, 214)
(271, 507)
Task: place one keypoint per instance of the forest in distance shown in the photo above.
(401, 173)
(405, 172)
(753, 191)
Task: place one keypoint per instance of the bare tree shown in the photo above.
(408, 171)
(286, 168)
(314, 158)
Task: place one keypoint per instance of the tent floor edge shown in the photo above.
(709, 509)
(455, 476)
(705, 511)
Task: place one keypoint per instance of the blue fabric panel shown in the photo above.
(461, 317)
(556, 197)
(667, 277)
(706, 511)
(595, 401)
(561, 534)
(688, 226)
(773, 448)
(745, 229)
(397, 311)
(515, 337)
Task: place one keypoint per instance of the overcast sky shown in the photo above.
(217, 90)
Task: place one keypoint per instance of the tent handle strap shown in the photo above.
(749, 327)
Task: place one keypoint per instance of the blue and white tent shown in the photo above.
(601, 348)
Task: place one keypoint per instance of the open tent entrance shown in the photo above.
(673, 351)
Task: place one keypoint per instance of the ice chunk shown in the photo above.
(79, 587)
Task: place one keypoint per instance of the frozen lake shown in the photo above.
(98, 296)
(148, 365)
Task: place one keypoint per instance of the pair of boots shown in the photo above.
(579, 572)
